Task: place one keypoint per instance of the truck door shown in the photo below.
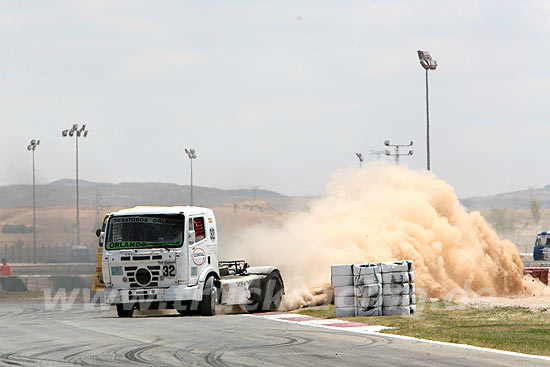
(198, 242)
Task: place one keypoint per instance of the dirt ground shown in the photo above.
(537, 299)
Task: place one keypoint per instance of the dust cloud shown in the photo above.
(383, 213)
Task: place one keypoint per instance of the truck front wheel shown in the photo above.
(124, 310)
(183, 308)
(207, 307)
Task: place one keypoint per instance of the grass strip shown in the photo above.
(515, 329)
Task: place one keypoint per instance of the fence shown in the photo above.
(50, 253)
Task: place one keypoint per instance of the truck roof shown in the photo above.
(186, 210)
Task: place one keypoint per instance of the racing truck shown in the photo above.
(541, 251)
(167, 258)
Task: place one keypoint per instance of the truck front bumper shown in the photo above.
(173, 293)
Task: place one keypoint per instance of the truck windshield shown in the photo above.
(543, 240)
(144, 231)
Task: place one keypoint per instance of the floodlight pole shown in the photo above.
(32, 146)
(77, 197)
(77, 132)
(428, 63)
(427, 123)
(191, 160)
(192, 155)
(33, 209)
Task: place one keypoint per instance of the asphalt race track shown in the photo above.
(33, 336)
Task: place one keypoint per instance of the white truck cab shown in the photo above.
(167, 257)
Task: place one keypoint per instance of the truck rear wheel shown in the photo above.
(207, 307)
(270, 295)
(124, 310)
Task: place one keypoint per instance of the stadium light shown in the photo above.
(397, 154)
(361, 158)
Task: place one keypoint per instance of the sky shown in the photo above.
(274, 93)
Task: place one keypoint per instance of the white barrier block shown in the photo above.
(361, 280)
(412, 308)
(396, 266)
(341, 280)
(344, 302)
(412, 288)
(341, 270)
(376, 311)
(347, 291)
(345, 312)
(368, 290)
(367, 302)
(396, 300)
(401, 277)
(366, 269)
(410, 264)
(412, 299)
(396, 288)
(411, 276)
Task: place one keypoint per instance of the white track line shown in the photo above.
(375, 330)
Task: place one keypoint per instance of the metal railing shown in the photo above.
(49, 253)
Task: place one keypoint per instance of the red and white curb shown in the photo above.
(361, 328)
(334, 324)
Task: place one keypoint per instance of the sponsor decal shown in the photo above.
(212, 234)
(199, 256)
(209, 220)
(243, 284)
(116, 270)
(193, 271)
(152, 220)
(167, 262)
(121, 245)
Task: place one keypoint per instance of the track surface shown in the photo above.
(33, 336)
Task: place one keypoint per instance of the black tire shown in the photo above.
(207, 307)
(270, 296)
(184, 308)
(124, 310)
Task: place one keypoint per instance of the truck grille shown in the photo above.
(147, 276)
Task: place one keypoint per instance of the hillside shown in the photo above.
(62, 194)
(510, 200)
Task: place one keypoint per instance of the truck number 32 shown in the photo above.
(169, 270)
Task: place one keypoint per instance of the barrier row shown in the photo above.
(374, 289)
(35, 283)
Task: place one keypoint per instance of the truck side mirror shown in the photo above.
(98, 232)
(191, 237)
